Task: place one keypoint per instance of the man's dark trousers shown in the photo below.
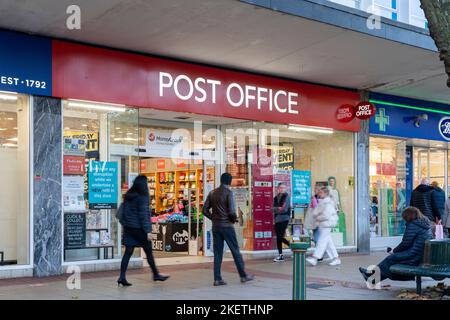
(221, 234)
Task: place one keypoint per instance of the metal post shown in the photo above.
(299, 270)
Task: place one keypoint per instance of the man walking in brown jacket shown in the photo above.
(219, 207)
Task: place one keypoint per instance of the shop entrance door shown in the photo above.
(388, 178)
(200, 237)
(430, 164)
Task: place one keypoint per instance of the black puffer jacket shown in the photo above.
(438, 202)
(421, 199)
(137, 212)
(410, 250)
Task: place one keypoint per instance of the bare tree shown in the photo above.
(437, 13)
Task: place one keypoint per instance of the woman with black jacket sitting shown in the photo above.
(137, 228)
(410, 250)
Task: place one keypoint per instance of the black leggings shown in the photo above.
(129, 252)
(280, 229)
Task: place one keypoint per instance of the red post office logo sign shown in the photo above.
(364, 110)
(345, 113)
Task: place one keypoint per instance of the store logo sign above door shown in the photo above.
(236, 95)
(363, 111)
(444, 128)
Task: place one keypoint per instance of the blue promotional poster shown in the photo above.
(301, 188)
(25, 64)
(103, 185)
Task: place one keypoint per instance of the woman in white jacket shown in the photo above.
(325, 218)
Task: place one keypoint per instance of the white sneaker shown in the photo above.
(312, 261)
(280, 258)
(335, 262)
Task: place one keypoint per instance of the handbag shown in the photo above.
(309, 219)
(439, 233)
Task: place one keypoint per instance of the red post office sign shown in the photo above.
(103, 75)
(364, 110)
(345, 113)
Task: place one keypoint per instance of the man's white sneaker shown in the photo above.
(312, 261)
(335, 262)
(280, 258)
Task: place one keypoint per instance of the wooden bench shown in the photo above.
(435, 264)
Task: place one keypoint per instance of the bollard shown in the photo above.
(299, 267)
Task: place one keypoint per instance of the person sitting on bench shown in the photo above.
(410, 250)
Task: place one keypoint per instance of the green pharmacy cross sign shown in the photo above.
(382, 119)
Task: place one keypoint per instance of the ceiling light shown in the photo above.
(10, 119)
(125, 139)
(3, 129)
(12, 96)
(97, 106)
(84, 125)
(10, 145)
(310, 129)
(13, 139)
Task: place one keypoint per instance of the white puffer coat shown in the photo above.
(325, 214)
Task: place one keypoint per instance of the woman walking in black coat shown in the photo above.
(137, 228)
(410, 250)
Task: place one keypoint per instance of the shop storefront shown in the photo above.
(117, 115)
(408, 143)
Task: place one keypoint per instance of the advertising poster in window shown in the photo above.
(283, 157)
(301, 188)
(85, 144)
(74, 230)
(73, 194)
(73, 165)
(262, 193)
(103, 184)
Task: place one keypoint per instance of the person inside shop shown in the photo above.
(134, 216)
(282, 215)
(220, 209)
(438, 201)
(374, 211)
(423, 199)
(325, 218)
(446, 218)
(409, 251)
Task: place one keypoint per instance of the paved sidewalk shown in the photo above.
(194, 281)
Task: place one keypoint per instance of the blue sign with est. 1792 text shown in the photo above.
(25, 64)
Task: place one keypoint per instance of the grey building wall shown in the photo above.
(47, 193)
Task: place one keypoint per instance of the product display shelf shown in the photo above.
(165, 190)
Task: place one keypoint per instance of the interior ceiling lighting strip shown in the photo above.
(4, 95)
(96, 106)
(410, 107)
(310, 129)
